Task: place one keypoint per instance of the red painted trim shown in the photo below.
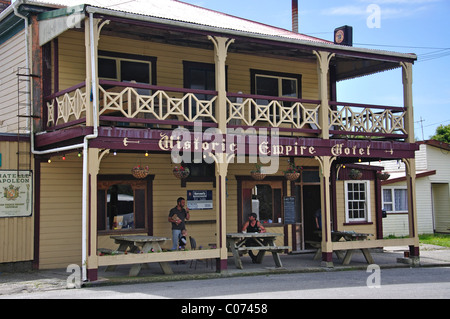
(328, 257)
(414, 251)
(370, 106)
(221, 264)
(92, 274)
(37, 212)
(56, 138)
(146, 121)
(220, 212)
(7, 137)
(60, 93)
(156, 88)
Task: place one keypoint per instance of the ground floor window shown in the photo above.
(395, 200)
(122, 205)
(357, 201)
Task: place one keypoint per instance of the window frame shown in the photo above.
(392, 189)
(367, 201)
(280, 76)
(118, 57)
(106, 181)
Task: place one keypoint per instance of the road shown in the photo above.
(399, 283)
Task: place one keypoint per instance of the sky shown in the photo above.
(409, 26)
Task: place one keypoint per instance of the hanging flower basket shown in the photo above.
(257, 174)
(293, 172)
(181, 172)
(293, 176)
(383, 176)
(139, 172)
(355, 174)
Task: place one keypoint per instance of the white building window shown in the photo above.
(395, 200)
(357, 201)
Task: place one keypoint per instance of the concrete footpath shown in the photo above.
(42, 280)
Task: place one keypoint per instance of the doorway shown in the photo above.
(263, 198)
(311, 203)
(308, 201)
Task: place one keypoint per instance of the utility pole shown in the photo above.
(421, 125)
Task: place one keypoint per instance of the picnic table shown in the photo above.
(237, 244)
(347, 236)
(140, 244)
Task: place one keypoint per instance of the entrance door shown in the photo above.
(311, 203)
(441, 204)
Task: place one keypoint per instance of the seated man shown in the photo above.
(252, 226)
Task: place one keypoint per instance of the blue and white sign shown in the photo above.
(199, 199)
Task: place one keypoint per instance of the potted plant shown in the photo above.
(139, 171)
(257, 173)
(181, 172)
(355, 174)
(383, 176)
(293, 172)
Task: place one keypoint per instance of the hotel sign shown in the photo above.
(16, 189)
(248, 143)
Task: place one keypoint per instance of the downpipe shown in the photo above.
(86, 146)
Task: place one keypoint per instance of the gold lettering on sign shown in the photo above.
(169, 143)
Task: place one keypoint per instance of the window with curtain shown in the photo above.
(395, 200)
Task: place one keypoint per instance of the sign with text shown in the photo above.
(199, 200)
(16, 189)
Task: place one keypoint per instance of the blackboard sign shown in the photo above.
(289, 210)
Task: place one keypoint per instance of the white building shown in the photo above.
(432, 192)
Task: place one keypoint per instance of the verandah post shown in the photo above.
(221, 46)
(325, 196)
(323, 65)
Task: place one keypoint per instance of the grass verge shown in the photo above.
(435, 239)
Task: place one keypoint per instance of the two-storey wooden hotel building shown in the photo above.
(91, 90)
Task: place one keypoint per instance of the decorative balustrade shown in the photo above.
(132, 100)
(284, 113)
(67, 106)
(148, 104)
(372, 120)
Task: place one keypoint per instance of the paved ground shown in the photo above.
(27, 282)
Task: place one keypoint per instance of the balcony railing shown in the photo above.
(286, 114)
(367, 120)
(154, 103)
(148, 105)
(67, 107)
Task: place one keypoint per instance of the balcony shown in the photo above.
(146, 106)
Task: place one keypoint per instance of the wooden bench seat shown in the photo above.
(275, 248)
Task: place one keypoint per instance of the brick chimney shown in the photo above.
(4, 4)
(295, 16)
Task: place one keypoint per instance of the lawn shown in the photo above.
(435, 239)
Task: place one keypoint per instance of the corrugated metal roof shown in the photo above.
(184, 12)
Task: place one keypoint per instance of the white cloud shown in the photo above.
(390, 9)
(345, 11)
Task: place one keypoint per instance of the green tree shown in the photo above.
(442, 134)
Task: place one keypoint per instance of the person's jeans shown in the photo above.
(175, 237)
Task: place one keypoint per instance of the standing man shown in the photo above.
(177, 216)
